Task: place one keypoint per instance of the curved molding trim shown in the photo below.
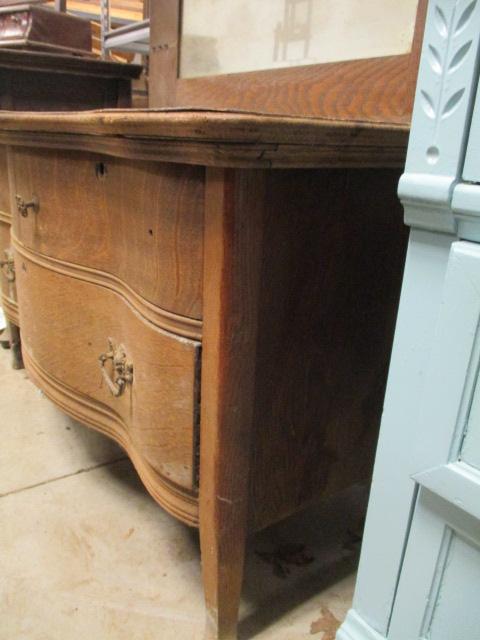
(5, 217)
(180, 325)
(178, 503)
(11, 309)
(426, 199)
(355, 628)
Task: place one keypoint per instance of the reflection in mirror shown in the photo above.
(247, 35)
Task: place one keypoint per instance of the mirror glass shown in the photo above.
(232, 36)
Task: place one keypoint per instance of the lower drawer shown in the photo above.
(72, 331)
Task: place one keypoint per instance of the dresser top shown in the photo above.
(212, 138)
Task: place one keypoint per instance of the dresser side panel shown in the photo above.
(331, 273)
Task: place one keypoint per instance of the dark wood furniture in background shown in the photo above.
(233, 281)
(36, 27)
(32, 81)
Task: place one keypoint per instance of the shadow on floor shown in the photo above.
(325, 539)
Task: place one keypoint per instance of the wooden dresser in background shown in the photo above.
(33, 81)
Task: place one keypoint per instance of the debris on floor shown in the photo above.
(327, 623)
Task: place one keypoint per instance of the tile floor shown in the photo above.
(85, 552)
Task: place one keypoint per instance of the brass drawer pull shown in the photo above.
(24, 206)
(8, 266)
(122, 370)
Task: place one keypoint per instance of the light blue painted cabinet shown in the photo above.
(419, 573)
(438, 594)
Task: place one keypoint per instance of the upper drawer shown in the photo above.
(141, 222)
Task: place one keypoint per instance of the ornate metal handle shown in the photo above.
(24, 206)
(122, 370)
(8, 266)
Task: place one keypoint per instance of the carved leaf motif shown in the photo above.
(446, 25)
(459, 57)
(452, 103)
(441, 22)
(434, 59)
(465, 17)
(428, 105)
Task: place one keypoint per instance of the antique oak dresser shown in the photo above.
(217, 292)
(34, 81)
(215, 288)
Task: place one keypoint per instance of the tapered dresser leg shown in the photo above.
(232, 267)
(222, 563)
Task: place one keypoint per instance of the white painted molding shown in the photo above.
(355, 628)
(456, 482)
(442, 113)
(393, 491)
(466, 209)
(466, 201)
(470, 167)
(426, 199)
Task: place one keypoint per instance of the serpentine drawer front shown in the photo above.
(111, 368)
(139, 223)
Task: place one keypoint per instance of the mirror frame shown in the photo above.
(369, 90)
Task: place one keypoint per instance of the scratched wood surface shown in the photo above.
(212, 138)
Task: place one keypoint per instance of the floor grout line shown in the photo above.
(67, 475)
